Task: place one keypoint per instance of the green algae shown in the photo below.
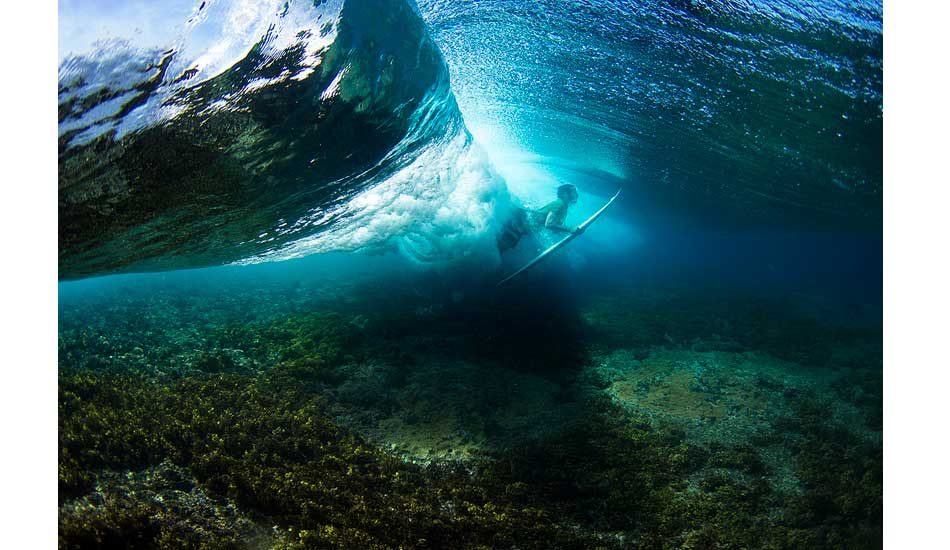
(269, 447)
(603, 481)
(288, 418)
(158, 507)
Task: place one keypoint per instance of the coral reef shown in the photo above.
(267, 445)
(219, 420)
(160, 507)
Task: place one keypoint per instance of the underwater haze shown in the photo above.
(282, 226)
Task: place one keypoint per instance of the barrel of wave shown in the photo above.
(328, 127)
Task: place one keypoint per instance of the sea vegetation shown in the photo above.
(267, 445)
(255, 432)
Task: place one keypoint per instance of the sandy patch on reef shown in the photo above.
(707, 389)
(456, 410)
(723, 398)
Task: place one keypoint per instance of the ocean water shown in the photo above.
(280, 324)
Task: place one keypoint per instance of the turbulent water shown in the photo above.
(233, 131)
(218, 132)
(702, 368)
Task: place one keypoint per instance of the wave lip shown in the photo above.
(229, 131)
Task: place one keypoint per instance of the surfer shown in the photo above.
(550, 216)
(555, 212)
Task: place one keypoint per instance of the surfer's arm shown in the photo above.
(553, 223)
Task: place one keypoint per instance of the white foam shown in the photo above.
(441, 208)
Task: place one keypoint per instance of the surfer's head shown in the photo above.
(567, 193)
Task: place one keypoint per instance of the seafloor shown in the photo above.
(322, 413)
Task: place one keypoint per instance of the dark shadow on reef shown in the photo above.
(530, 327)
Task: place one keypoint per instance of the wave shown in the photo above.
(196, 133)
(236, 132)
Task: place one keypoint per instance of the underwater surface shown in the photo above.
(280, 242)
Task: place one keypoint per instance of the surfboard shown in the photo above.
(560, 244)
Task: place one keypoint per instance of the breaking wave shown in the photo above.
(246, 131)
(197, 133)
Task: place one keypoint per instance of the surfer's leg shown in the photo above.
(507, 239)
(512, 232)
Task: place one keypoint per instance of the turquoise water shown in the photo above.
(279, 319)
